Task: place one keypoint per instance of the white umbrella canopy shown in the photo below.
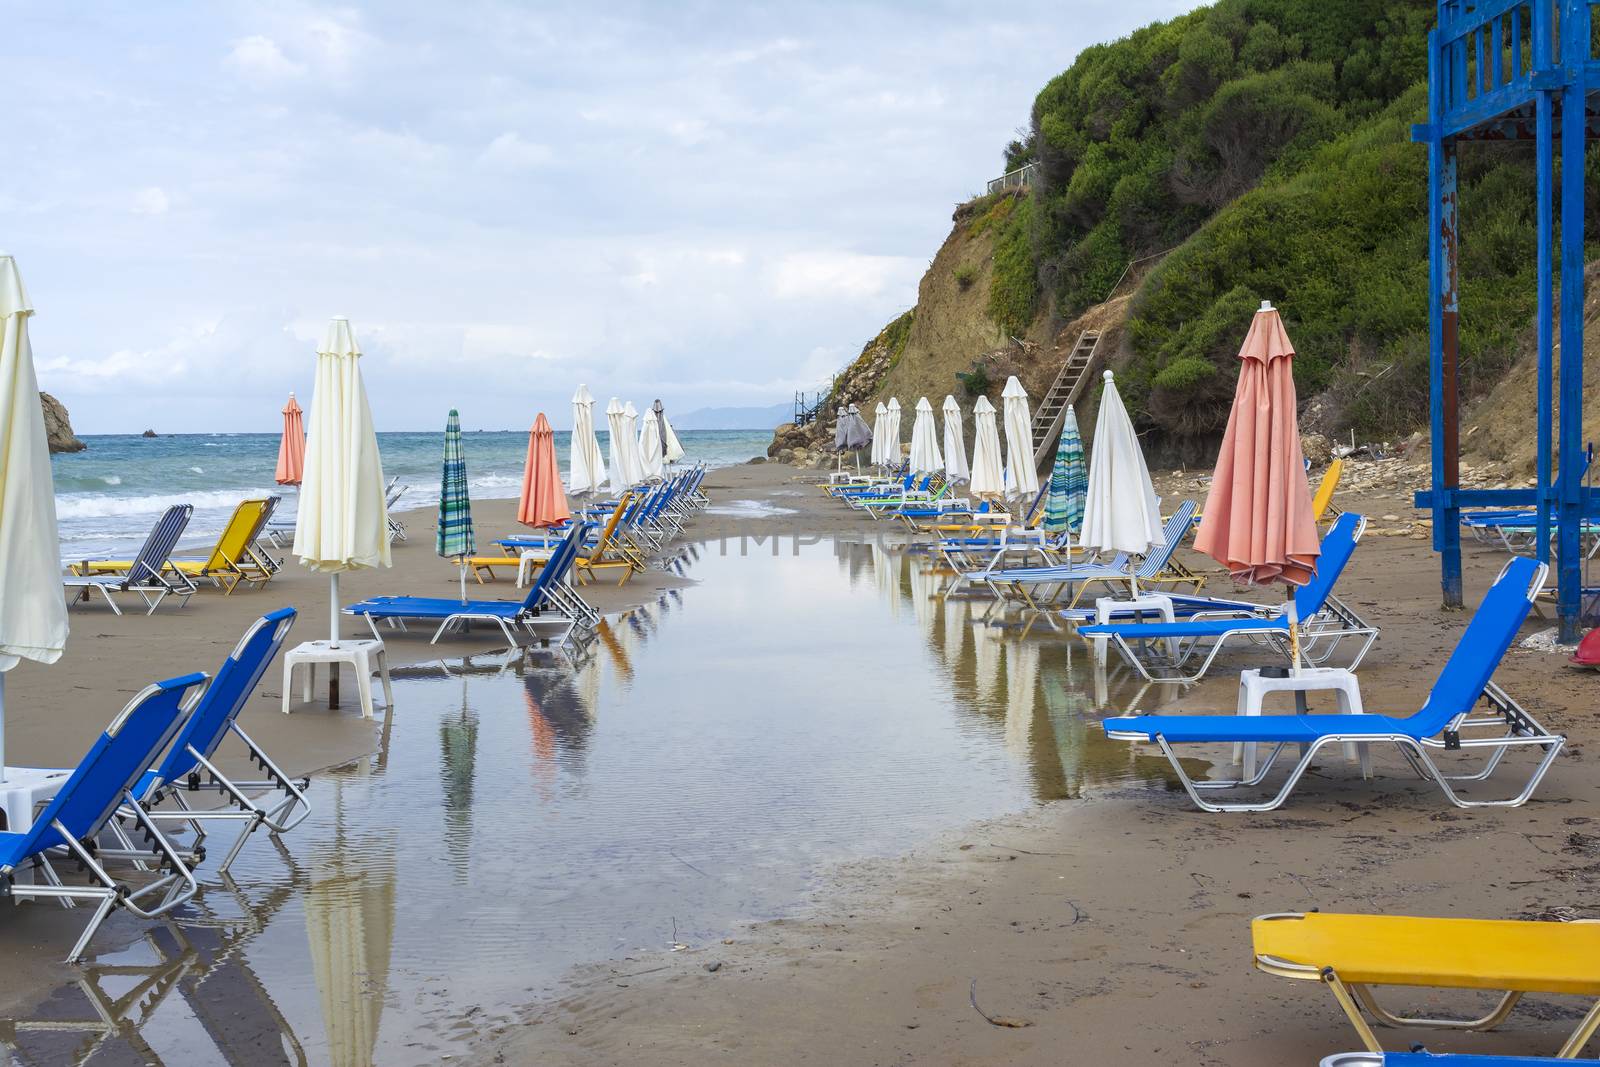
(879, 431)
(1022, 478)
(1121, 512)
(617, 428)
(33, 613)
(586, 471)
(925, 457)
(343, 523)
(955, 447)
(988, 476)
(651, 460)
(630, 443)
(891, 432)
(672, 448)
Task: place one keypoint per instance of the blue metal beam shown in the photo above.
(1575, 47)
(1500, 498)
(1442, 308)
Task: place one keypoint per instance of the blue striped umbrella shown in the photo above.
(1069, 480)
(453, 537)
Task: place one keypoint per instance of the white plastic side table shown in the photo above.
(1108, 609)
(367, 656)
(1254, 687)
(23, 790)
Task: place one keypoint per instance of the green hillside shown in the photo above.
(1266, 144)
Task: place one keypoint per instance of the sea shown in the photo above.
(108, 496)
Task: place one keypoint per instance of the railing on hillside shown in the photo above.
(1026, 174)
(809, 411)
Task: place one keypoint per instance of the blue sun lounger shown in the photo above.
(529, 613)
(1430, 1059)
(1439, 724)
(68, 827)
(1324, 620)
(187, 767)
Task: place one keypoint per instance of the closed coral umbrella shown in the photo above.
(453, 536)
(292, 446)
(343, 523)
(1069, 480)
(33, 613)
(542, 503)
(955, 447)
(616, 445)
(1022, 479)
(988, 475)
(1258, 521)
(1121, 512)
(925, 457)
(586, 471)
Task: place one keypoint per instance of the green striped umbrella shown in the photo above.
(1069, 480)
(453, 538)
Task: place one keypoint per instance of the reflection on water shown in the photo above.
(697, 767)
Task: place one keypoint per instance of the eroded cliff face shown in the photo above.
(57, 428)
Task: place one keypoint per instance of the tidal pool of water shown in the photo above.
(692, 769)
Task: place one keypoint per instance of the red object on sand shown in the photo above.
(292, 448)
(1258, 521)
(1588, 650)
(544, 500)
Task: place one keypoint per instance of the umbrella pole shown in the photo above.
(2, 726)
(1294, 629)
(461, 561)
(333, 640)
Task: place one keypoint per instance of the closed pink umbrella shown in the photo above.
(292, 448)
(544, 502)
(1258, 521)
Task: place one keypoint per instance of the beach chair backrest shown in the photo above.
(1482, 645)
(114, 763)
(225, 697)
(164, 535)
(237, 535)
(1324, 495)
(1338, 544)
(610, 528)
(1177, 528)
(556, 567)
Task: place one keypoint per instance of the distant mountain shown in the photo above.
(766, 418)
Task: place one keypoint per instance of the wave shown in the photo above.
(198, 470)
(100, 505)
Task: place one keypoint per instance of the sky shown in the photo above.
(713, 203)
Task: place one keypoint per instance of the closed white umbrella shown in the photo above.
(586, 470)
(891, 432)
(33, 613)
(1022, 478)
(617, 429)
(630, 443)
(343, 523)
(925, 457)
(955, 446)
(1121, 512)
(650, 456)
(879, 431)
(988, 475)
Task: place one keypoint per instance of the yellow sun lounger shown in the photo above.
(607, 553)
(1352, 953)
(231, 561)
(1323, 499)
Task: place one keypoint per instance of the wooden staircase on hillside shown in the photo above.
(1051, 413)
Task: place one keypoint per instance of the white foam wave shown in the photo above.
(111, 479)
(198, 470)
(99, 505)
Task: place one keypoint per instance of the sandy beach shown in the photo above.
(1109, 928)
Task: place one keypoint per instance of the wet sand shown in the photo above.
(1115, 926)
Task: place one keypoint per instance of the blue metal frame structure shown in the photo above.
(1514, 70)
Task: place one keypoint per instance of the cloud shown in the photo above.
(151, 201)
(825, 275)
(510, 152)
(258, 58)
